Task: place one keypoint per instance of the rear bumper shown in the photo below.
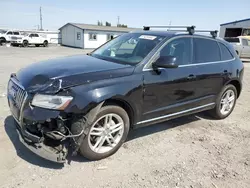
(39, 148)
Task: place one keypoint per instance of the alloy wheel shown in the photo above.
(227, 102)
(106, 133)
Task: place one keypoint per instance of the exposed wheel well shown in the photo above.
(124, 105)
(45, 41)
(237, 85)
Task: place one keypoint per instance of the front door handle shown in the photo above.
(191, 77)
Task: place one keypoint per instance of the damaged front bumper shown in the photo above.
(43, 150)
(24, 115)
(48, 133)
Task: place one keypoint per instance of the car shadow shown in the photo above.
(31, 158)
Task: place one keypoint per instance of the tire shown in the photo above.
(25, 43)
(217, 111)
(2, 40)
(86, 148)
(45, 43)
(37, 45)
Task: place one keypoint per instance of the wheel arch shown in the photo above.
(237, 85)
(123, 104)
(3, 38)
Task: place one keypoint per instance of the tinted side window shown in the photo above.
(180, 48)
(35, 35)
(225, 53)
(206, 50)
(16, 33)
(10, 33)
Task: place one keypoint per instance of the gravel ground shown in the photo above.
(192, 151)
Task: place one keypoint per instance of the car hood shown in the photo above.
(53, 75)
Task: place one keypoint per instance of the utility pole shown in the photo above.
(118, 20)
(170, 24)
(41, 19)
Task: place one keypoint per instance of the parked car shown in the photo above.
(30, 39)
(90, 102)
(6, 35)
(242, 46)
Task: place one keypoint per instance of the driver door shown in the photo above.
(173, 90)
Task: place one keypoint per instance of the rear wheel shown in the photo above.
(225, 102)
(25, 43)
(45, 43)
(106, 134)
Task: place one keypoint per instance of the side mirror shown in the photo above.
(165, 62)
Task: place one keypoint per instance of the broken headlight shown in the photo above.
(51, 101)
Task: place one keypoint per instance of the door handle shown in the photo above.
(191, 76)
(225, 72)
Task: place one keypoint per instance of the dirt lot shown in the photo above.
(192, 151)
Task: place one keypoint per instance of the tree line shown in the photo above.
(100, 23)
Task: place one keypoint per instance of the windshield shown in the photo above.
(129, 48)
(2, 31)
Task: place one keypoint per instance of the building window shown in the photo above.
(92, 36)
(78, 36)
(110, 36)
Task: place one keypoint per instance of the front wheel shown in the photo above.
(225, 102)
(107, 133)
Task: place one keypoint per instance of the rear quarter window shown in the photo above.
(206, 50)
(225, 53)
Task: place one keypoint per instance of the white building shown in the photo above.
(89, 36)
(235, 28)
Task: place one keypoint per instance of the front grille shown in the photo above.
(18, 94)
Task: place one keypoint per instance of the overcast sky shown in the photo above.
(209, 14)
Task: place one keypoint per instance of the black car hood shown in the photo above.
(53, 75)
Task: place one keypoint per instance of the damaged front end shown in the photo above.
(48, 133)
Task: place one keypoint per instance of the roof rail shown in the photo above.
(190, 29)
(214, 33)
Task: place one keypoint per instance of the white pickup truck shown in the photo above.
(30, 39)
(241, 46)
(7, 35)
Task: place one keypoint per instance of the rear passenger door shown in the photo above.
(212, 60)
